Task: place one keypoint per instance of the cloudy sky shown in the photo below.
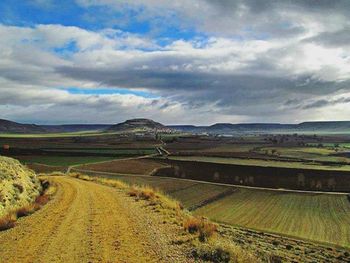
(177, 62)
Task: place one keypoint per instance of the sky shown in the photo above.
(177, 62)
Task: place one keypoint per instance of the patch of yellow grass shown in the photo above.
(9, 220)
(155, 197)
(19, 186)
(105, 181)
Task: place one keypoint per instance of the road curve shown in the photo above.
(85, 222)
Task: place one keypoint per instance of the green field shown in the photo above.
(342, 144)
(324, 218)
(187, 192)
(306, 153)
(62, 160)
(56, 135)
(317, 217)
(145, 151)
(197, 193)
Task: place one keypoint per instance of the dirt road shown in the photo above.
(69, 168)
(86, 222)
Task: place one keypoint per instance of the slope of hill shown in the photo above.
(220, 128)
(138, 124)
(18, 185)
(142, 124)
(14, 127)
(324, 125)
(75, 127)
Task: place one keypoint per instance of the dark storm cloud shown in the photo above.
(333, 39)
(235, 93)
(324, 102)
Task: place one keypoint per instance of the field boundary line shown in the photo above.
(112, 160)
(219, 184)
(213, 199)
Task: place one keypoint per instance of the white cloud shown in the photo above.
(232, 75)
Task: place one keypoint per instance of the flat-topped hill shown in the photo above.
(137, 124)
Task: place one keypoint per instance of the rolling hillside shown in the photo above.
(142, 124)
(14, 127)
(18, 185)
(7, 126)
(305, 127)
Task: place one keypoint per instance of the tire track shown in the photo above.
(85, 222)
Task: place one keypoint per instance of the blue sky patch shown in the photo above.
(110, 91)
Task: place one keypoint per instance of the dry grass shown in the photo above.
(19, 185)
(52, 174)
(27, 210)
(42, 200)
(219, 251)
(109, 182)
(155, 197)
(208, 246)
(202, 226)
(146, 193)
(8, 221)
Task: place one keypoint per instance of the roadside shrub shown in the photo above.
(216, 254)
(206, 230)
(146, 192)
(27, 210)
(133, 191)
(8, 221)
(113, 183)
(42, 199)
(204, 227)
(45, 185)
(192, 224)
(222, 253)
(275, 259)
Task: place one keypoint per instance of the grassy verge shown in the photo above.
(200, 233)
(9, 220)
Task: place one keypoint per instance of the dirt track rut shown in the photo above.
(85, 222)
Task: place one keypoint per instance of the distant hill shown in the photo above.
(7, 126)
(14, 127)
(229, 128)
(137, 124)
(325, 125)
(75, 127)
(142, 124)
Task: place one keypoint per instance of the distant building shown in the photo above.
(6, 147)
